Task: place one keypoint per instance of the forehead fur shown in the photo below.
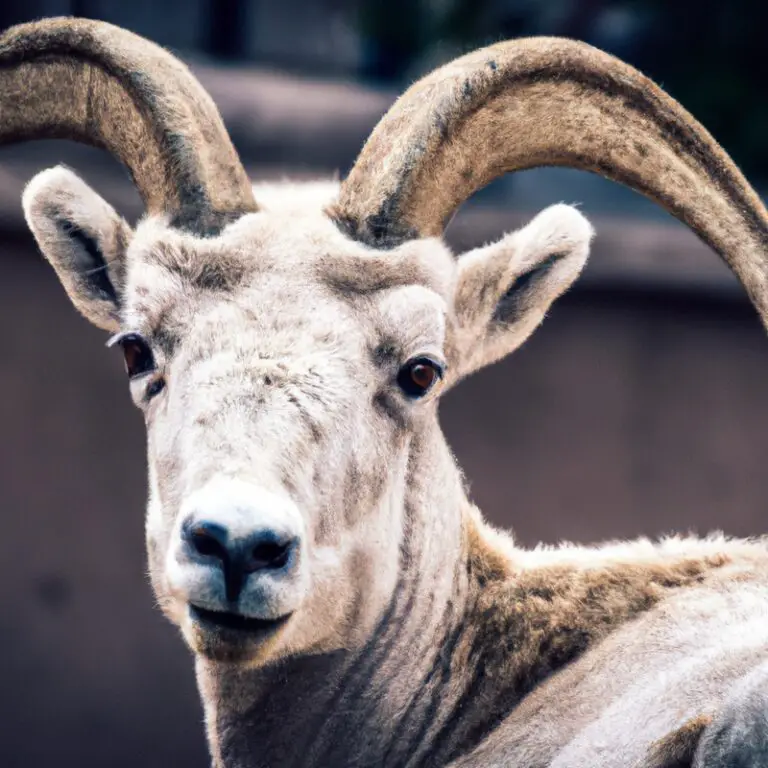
(289, 245)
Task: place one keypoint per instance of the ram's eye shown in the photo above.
(419, 375)
(138, 356)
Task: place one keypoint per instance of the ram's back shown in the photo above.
(674, 671)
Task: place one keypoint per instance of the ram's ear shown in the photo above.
(504, 289)
(83, 238)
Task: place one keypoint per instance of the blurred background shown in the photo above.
(638, 408)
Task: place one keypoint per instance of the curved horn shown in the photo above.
(556, 102)
(98, 84)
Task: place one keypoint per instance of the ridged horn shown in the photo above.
(548, 102)
(95, 83)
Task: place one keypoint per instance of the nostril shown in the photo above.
(209, 540)
(206, 545)
(270, 554)
(269, 551)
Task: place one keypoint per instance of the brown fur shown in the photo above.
(523, 624)
(677, 750)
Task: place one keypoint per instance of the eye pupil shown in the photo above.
(418, 376)
(138, 357)
(140, 361)
(423, 375)
(137, 354)
(133, 354)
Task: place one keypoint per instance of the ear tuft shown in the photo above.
(555, 245)
(504, 289)
(83, 238)
(559, 228)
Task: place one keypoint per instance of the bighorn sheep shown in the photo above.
(307, 526)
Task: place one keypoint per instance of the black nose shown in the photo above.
(260, 550)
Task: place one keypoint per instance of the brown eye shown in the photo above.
(138, 356)
(419, 375)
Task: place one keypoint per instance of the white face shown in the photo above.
(280, 394)
(284, 373)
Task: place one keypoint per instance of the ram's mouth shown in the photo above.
(234, 622)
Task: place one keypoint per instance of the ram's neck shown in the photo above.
(471, 627)
(528, 614)
(359, 707)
